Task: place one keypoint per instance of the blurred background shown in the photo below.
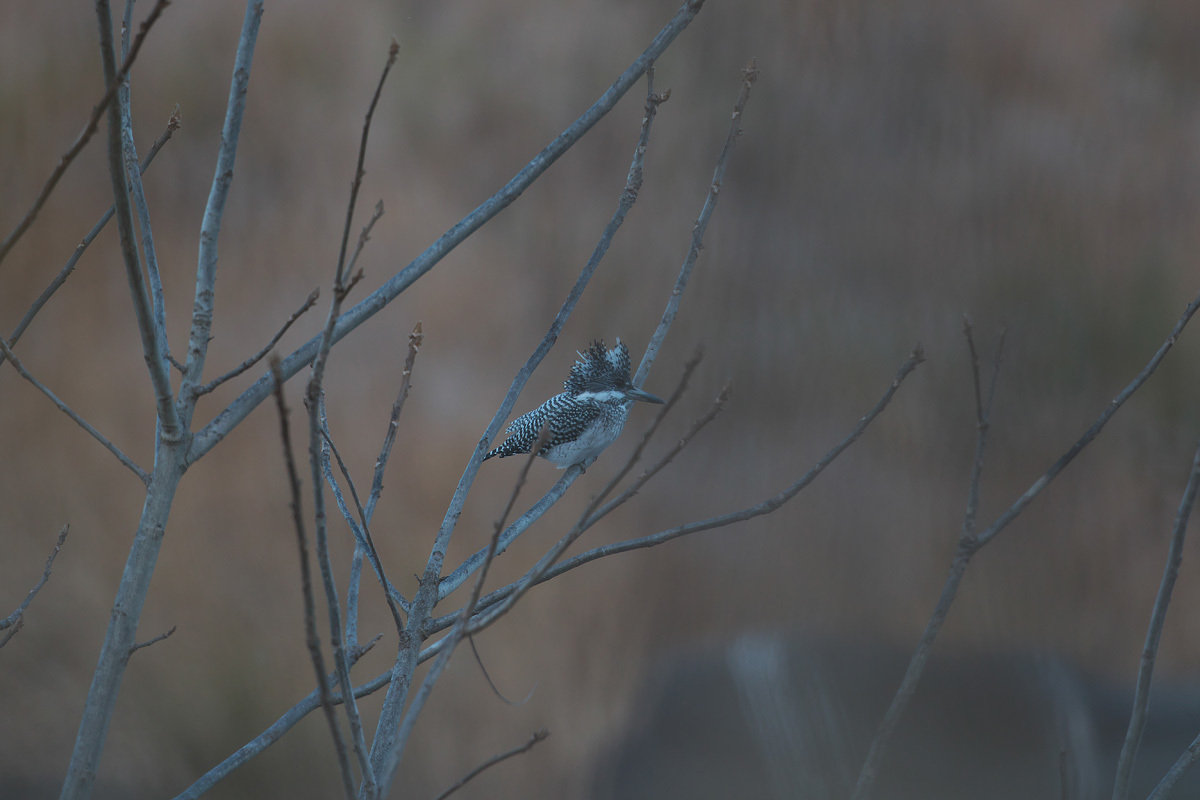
(1032, 165)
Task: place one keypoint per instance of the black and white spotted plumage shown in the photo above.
(586, 417)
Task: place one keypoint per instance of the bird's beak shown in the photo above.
(638, 394)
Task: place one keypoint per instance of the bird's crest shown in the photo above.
(600, 368)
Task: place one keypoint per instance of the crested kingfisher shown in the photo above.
(586, 417)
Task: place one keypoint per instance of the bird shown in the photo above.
(586, 417)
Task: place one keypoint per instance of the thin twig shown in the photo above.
(356, 184)
(1033, 491)
(88, 131)
(319, 463)
(1141, 697)
(967, 547)
(13, 620)
(363, 238)
(220, 426)
(310, 618)
(415, 339)
(538, 736)
(389, 438)
(749, 75)
(254, 359)
(70, 412)
(361, 530)
(69, 267)
(139, 645)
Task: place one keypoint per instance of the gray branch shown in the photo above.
(133, 176)
(1158, 617)
(70, 412)
(210, 227)
(171, 428)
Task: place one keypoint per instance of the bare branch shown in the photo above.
(1185, 762)
(983, 415)
(360, 528)
(414, 344)
(1033, 491)
(281, 726)
(749, 75)
(1141, 697)
(14, 620)
(214, 210)
(356, 184)
(80, 421)
(499, 602)
(88, 131)
(133, 177)
(139, 645)
(69, 267)
(310, 619)
(254, 359)
(538, 736)
(363, 238)
(969, 545)
(205, 439)
(314, 399)
(170, 425)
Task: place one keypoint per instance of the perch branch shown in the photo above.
(384, 753)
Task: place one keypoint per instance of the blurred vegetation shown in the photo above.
(1031, 164)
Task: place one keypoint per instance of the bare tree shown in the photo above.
(368, 763)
